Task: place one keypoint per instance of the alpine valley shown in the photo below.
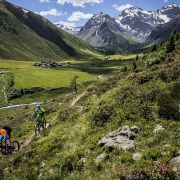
(97, 102)
(130, 29)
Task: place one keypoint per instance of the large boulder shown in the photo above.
(175, 162)
(122, 138)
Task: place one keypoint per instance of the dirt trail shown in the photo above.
(73, 103)
(101, 77)
(4, 89)
(33, 136)
(20, 105)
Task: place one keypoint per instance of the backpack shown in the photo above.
(40, 112)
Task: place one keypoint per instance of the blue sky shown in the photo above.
(77, 12)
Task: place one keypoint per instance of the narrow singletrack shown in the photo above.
(73, 103)
(19, 105)
(4, 89)
(32, 137)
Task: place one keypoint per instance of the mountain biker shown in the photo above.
(39, 114)
(5, 134)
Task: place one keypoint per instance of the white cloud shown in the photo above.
(122, 7)
(51, 12)
(78, 15)
(66, 24)
(165, 1)
(44, 1)
(80, 3)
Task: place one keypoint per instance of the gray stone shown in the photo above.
(158, 128)
(122, 138)
(137, 156)
(100, 158)
(135, 129)
(175, 162)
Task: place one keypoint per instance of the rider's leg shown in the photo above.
(7, 140)
(1, 138)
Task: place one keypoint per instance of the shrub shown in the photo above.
(175, 91)
(154, 48)
(65, 112)
(102, 114)
(168, 109)
(163, 171)
(171, 44)
(144, 78)
(169, 75)
(156, 58)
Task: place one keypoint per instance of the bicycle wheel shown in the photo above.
(15, 147)
(44, 124)
(37, 129)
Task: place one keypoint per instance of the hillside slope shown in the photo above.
(146, 96)
(26, 35)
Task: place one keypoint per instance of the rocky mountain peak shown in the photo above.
(140, 22)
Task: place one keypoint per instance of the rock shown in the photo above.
(165, 153)
(135, 129)
(100, 158)
(137, 156)
(175, 162)
(42, 164)
(167, 146)
(158, 128)
(83, 160)
(51, 171)
(122, 138)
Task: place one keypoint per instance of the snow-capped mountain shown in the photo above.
(161, 32)
(70, 29)
(102, 30)
(140, 23)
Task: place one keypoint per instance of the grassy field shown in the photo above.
(123, 57)
(68, 149)
(27, 76)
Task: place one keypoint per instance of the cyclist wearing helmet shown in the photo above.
(39, 114)
(5, 134)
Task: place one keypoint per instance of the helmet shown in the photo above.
(38, 106)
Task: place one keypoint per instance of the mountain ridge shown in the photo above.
(135, 25)
(26, 35)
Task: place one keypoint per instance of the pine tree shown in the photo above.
(137, 57)
(174, 31)
(125, 69)
(134, 66)
(154, 48)
(177, 36)
(171, 43)
(161, 43)
(74, 83)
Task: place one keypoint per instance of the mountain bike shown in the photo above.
(39, 126)
(13, 148)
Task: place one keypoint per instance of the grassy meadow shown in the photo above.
(28, 76)
(123, 56)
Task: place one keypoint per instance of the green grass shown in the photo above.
(28, 76)
(123, 57)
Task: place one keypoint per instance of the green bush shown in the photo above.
(156, 58)
(102, 114)
(168, 109)
(144, 78)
